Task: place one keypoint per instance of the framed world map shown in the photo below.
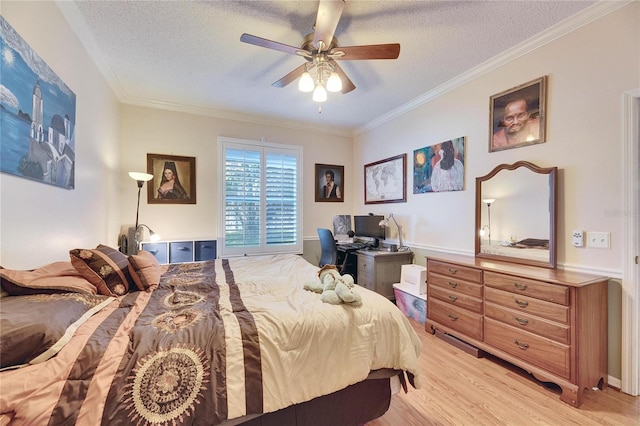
(385, 180)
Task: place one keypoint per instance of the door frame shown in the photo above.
(630, 380)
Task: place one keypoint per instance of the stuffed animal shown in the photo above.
(335, 288)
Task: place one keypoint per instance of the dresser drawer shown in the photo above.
(547, 354)
(453, 270)
(522, 320)
(530, 305)
(205, 250)
(532, 288)
(455, 318)
(180, 251)
(159, 250)
(457, 299)
(464, 287)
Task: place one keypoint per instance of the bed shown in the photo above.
(230, 341)
(529, 248)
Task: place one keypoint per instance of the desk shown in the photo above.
(378, 270)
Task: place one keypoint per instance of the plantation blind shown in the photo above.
(261, 196)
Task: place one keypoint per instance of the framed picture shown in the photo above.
(517, 116)
(329, 183)
(174, 179)
(37, 117)
(385, 180)
(439, 167)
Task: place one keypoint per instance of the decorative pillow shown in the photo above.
(104, 267)
(144, 269)
(36, 327)
(57, 277)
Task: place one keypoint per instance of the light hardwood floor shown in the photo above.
(458, 389)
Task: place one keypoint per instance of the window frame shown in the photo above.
(263, 147)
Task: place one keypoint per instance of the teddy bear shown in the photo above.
(334, 288)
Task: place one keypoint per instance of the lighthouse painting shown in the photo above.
(37, 115)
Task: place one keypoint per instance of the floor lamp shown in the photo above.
(134, 235)
(488, 202)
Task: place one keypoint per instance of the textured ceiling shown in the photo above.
(187, 55)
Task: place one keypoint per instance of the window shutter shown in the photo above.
(261, 195)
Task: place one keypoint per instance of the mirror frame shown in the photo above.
(553, 214)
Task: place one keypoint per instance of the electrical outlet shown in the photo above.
(578, 238)
(599, 240)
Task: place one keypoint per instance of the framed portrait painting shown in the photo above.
(174, 179)
(329, 182)
(517, 116)
(385, 181)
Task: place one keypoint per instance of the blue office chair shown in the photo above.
(329, 254)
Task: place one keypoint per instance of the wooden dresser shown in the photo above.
(551, 323)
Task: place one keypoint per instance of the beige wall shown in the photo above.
(147, 130)
(589, 70)
(40, 223)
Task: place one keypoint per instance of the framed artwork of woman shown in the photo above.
(174, 179)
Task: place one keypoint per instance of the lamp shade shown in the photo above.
(488, 200)
(139, 176)
(334, 84)
(306, 82)
(320, 94)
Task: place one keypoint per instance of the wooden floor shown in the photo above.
(458, 389)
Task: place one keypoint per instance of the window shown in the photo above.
(260, 191)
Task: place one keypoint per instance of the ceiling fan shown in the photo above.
(321, 51)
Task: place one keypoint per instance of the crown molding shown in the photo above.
(554, 32)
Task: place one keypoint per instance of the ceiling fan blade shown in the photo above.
(290, 77)
(347, 84)
(270, 44)
(329, 12)
(371, 51)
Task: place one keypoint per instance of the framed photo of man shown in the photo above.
(517, 116)
(329, 182)
(174, 179)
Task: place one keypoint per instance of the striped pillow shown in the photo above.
(104, 267)
(144, 269)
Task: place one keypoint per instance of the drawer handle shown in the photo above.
(453, 270)
(522, 303)
(184, 249)
(523, 346)
(453, 298)
(519, 286)
(453, 317)
(153, 252)
(521, 321)
(453, 284)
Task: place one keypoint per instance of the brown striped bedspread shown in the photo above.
(215, 340)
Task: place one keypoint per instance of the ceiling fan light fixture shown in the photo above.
(334, 84)
(306, 83)
(319, 94)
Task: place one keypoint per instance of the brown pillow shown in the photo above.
(144, 269)
(104, 267)
(57, 277)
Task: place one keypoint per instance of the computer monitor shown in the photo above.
(369, 226)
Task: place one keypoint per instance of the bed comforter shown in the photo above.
(213, 341)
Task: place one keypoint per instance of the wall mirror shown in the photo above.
(516, 214)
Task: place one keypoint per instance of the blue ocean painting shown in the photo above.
(37, 115)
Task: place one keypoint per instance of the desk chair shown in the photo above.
(329, 254)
